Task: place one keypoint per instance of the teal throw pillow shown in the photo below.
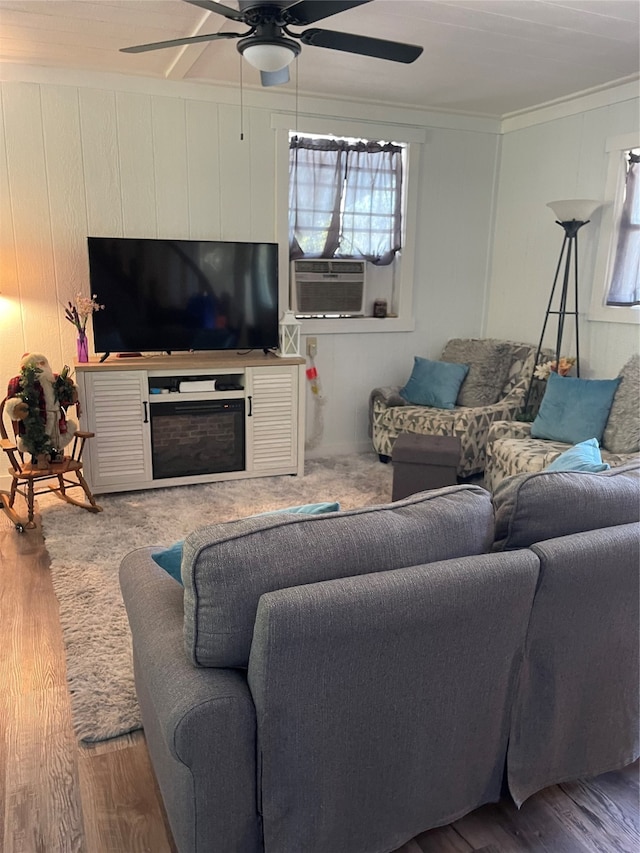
(585, 456)
(171, 558)
(573, 410)
(434, 383)
(305, 509)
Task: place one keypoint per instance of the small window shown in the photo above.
(375, 252)
(345, 198)
(624, 282)
(616, 289)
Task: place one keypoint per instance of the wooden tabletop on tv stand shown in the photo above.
(185, 360)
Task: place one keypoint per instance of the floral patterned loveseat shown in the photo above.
(511, 449)
(479, 405)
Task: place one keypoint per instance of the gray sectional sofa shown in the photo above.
(339, 683)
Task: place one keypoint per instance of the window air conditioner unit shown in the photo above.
(328, 287)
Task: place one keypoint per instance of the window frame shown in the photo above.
(599, 311)
(414, 139)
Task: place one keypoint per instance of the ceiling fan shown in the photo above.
(269, 45)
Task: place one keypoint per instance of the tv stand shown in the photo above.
(136, 409)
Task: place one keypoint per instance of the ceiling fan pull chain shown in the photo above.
(241, 104)
(297, 77)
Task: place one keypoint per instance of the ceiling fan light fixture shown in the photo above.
(268, 55)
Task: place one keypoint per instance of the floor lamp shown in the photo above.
(571, 215)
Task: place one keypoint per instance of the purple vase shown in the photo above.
(82, 345)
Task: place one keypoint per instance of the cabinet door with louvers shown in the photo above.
(116, 410)
(272, 420)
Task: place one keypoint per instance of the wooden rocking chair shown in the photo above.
(67, 472)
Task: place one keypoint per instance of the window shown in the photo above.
(624, 288)
(616, 290)
(345, 198)
(393, 282)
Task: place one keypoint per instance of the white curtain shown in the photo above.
(316, 175)
(625, 281)
(345, 199)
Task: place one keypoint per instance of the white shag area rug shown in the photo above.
(86, 551)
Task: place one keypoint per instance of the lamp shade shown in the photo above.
(580, 209)
(268, 57)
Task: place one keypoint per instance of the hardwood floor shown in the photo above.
(58, 796)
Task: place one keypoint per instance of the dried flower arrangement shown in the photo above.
(565, 364)
(79, 313)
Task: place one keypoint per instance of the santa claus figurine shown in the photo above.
(37, 400)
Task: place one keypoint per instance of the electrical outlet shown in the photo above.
(312, 347)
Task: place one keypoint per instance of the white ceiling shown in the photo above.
(483, 57)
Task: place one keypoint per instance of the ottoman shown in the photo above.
(422, 462)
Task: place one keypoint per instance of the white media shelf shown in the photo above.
(158, 399)
(118, 404)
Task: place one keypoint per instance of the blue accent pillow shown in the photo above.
(171, 558)
(585, 456)
(305, 509)
(434, 383)
(573, 410)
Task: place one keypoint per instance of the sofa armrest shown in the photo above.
(508, 429)
(389, 395)
(199, 723)
(384, 397)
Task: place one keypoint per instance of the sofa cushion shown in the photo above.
(170, 559)
(489, 362)
(534, 507)
(227, 567)
(434, 383)
(622, 432)
(585, 456)
(574, 410)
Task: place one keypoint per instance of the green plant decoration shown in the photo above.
(35, 439)
(65, 389)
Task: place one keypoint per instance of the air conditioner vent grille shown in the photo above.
(329, 296)
(330, 266)
(312, 266)
(328, 287)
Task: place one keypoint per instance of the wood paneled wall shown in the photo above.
(160, 159)
(562, 158)
(96, 158)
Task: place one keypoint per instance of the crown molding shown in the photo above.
(617, 91)
(253, 96)
(625, 89)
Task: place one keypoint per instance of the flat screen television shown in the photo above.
(182, 295)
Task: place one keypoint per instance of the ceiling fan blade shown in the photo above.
(394, 50)
(306, 12)
(218, 8)
(160, 45)
(275, 78)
